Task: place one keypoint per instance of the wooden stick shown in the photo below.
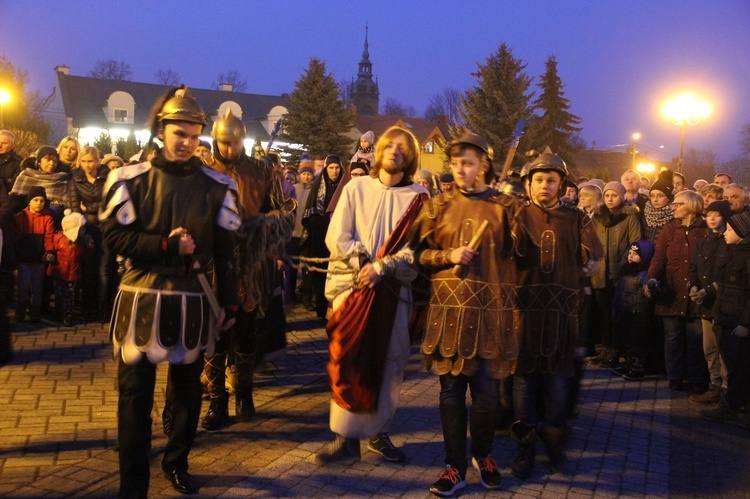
(473, 244)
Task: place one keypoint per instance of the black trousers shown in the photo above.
(136, 386)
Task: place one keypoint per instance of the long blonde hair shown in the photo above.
(411, 155)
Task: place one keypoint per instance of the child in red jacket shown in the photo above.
(34, 248)
(72, 245)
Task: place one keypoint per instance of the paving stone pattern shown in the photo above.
(58, 428)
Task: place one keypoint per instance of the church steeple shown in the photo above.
(364, 91)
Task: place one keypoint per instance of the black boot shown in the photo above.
(217, 416)
(453, 420)
(553, 438)
(243, 391)
(340, 450)
(523, 465)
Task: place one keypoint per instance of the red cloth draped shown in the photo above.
(359, 332)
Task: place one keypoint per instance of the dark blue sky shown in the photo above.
(619, 60)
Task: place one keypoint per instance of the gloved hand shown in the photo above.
(49, 258)
(740, 332)
(590, 267)
(697, 295)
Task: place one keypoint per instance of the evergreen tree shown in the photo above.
(556, 127)
(500, 99)
(317, 118)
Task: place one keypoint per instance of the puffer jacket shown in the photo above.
(669, 267)
(616, 230)
(732, 305)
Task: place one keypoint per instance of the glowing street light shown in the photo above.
(636, 136)
(4, 99)
(685, 110)
(645, 168)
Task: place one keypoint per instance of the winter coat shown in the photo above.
(35, 235)
(630, 298)
(70, 255)
(704, 262)
(670, 267)
(616, 229)
(10, 167)
(89, 194)
(732, 306)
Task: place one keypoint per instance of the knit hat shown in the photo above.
(112, 157)
(290, 169)
(358, 165)
(722, 208)
(305, 168)
(615, 186)
(664, 183)
(45, 150)
(644, 249)
(369, 136)
(597, 182)
(333, 159)
(36, 191)
(72, 223)
(446, 177)
(740, 223)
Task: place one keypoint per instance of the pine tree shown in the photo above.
(556, 127)
(499, 100)
(317, 118)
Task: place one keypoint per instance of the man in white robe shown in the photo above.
(371, 269)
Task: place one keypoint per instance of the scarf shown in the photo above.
(657, 217)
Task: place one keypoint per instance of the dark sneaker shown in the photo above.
(342, 450)
(381, 444)
(489, 475)
(722, 414)
(449, 482)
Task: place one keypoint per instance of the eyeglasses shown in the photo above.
(677, 205)
(356, 174)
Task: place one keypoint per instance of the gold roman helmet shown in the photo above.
(228, 128)
(182, 106)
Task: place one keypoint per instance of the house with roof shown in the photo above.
(431, 136)
(86, 107)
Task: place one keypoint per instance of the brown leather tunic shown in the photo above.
(470, 316)
(556, 243)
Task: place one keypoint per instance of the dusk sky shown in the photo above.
(619, 61)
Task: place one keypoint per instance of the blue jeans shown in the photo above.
(552, 389)
(683, 350)
(30, 281)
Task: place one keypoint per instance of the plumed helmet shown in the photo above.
(545, 161)
(228, 128)
(182, 106)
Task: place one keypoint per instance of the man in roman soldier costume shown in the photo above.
(152, 215)
(555, 242)
(463, 238)
(264, 231)
(370, 273)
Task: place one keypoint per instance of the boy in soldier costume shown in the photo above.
(151, 215)
(557, 241)
(260, 244)
(469, 338)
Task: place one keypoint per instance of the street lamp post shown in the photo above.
(4, 99)
(683, 111)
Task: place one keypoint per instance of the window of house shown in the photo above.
(428, 147)
(121, 115)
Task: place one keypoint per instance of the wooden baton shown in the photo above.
(473, 244)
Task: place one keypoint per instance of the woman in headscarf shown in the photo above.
(315, 220)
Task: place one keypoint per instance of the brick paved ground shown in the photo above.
(58, 429)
